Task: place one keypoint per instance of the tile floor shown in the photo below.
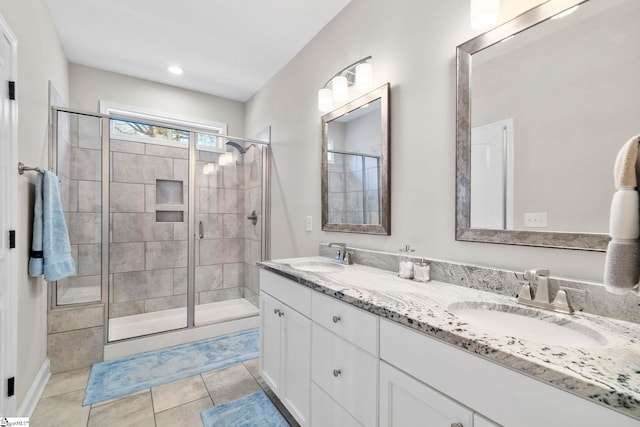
(178, 403)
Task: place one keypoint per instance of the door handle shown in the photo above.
(201, 229)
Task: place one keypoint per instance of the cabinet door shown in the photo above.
(405, 401)
(326, 412)
(270, 341)
(296, 364)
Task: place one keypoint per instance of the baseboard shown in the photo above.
(30, 401)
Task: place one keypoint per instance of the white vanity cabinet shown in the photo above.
(285, 342)
(344, 362)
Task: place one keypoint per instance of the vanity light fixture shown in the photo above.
(566, 12)
(174, 69)
(484, 13)
(360, 74)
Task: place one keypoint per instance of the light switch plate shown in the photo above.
(309, 223)
(535, 219)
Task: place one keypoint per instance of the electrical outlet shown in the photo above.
(535, 219)
(309, 223)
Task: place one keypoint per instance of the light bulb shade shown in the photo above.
(340, 88)
(484, 13)
(325, 100)
(364, 77)
(209, 168)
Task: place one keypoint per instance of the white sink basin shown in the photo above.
(532, 325)
(317, 266)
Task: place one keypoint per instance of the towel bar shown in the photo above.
(22, 168)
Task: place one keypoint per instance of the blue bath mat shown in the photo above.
(255, 410)
(134, 373)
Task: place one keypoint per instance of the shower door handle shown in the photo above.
(201, 229)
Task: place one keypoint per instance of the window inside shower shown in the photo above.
(158, 222)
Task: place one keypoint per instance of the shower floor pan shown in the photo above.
(160, 321)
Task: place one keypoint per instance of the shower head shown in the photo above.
(237, 146)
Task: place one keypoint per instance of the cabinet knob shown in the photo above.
(457, 425)
(280, 313)
(336, 372)
(276, 311)
(336, 319)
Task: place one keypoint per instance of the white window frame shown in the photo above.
(173, 122)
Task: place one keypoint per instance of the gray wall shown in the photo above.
(413, 47)
(88, 86)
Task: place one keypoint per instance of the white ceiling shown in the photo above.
(229, 48)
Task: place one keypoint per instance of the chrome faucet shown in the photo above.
(542, 298)
(342, 256)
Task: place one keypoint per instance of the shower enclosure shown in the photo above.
(166, 221)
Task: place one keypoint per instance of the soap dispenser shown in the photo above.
(422, 271)
(406, 263)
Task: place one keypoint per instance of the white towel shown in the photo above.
(622, 262)
(624, 221)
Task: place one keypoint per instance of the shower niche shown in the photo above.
(158, 224)
(170, 206)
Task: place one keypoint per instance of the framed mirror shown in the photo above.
(355, 166)
(544, 103)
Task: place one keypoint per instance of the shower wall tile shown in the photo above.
(212, 225)
(140, 228)
(353, 181)
(73, 128)
(86, 164)
(142, 285)
(181, 170)
(253, 200)
(170, 192)
(373, 180)
(220, 295)
(252, 176)
(74, 255)
(140, 168)
(233, 275)
(232, 201)
(89, 134)
(252, 297)
(181, 229)
(129, 308)
(69, 194)
(353, 201)
(89, 260)
(89, 196)
(70, 319)
(180, 281)
(84, 227)
(337, 217)
(77, 289)
(168, 254)
(251, 278)
(150, 198)
(336, 202)
(165, 303)
(126, 146)
(233, 176)
(75, 349)
(208, 277)
(233, 226)
(221, 251)
(372, 200)
(126, 257)
(337, 183)
(126, 197)
(255, 250)
(164, 151)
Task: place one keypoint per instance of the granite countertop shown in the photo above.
(608, 374)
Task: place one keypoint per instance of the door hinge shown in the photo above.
(12, 90)
(12, 239)
(11, 386)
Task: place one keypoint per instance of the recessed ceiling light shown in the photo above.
(175, 70)
(565, 13)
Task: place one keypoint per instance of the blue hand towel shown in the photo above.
(36, 264)
(57, 262)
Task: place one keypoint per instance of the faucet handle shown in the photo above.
(561, 302)
(534, 273)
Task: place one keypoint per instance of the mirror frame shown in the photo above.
(464, 232)
(384, 228)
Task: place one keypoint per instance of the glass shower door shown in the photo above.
(228, 195)
(148, 260)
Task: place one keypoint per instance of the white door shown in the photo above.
(406, 402)
(492, 176)
(8, 171)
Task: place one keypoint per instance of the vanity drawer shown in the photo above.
(354, 325)
(287, 291)
(346, 373)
